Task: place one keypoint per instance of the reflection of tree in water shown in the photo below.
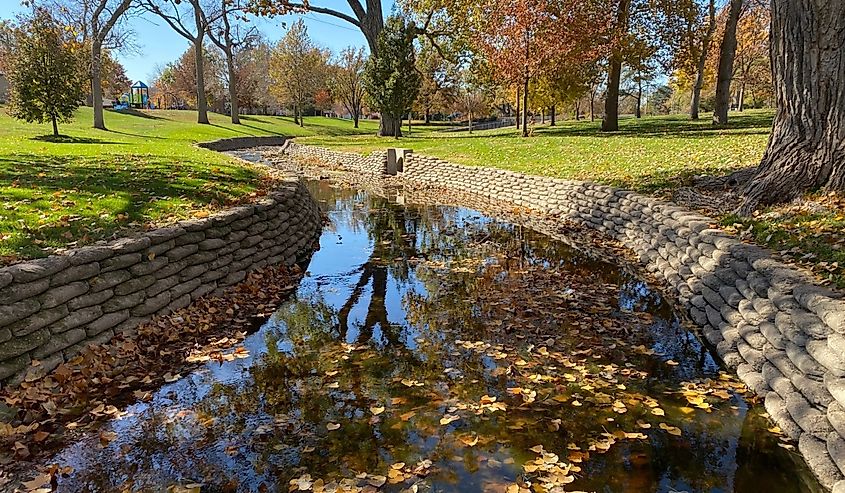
(271, 427)
(400, 236)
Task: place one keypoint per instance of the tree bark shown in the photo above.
(55, 125)
(202, 101)
(99, 32)
(610, 122)
(702, 61)
(525, 106)
(806, 149)
(233, 88)
(518, 101)
(355, 119)
(695, 102)
(552, 116)
(639, 113)
(97, 84)
(726, 65)
(389, 126)
(741, 98)
(427, 116)
(611, 104)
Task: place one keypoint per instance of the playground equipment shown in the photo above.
(139, 95)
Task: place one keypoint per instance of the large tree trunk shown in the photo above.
(427, 116)
(233, 88)
(525, 107)
(202, 101)
(702, 61)
(726, 65)
(552, 116)
(695, 102)
(611, 103)
(639, 113)
(389, 126)
(97, 84)
(55, 125)
(806, 149)
(355, 117)
(372, 26)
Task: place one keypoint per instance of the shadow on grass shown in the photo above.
(271, 132)
(138, 113)
(670, 126)
(675, 126)
(68, 139)
(230, 129)
(104, 195)
(130, 134)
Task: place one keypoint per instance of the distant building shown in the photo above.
(4, 87)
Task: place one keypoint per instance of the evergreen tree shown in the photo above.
(390, 79)
(46, 74)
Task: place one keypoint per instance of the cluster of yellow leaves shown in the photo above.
(398, 472)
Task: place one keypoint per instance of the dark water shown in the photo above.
(420, 333)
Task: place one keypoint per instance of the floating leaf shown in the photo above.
(377, 481)
(469, 440)
(672, 430)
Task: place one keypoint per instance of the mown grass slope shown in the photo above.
(645, 154)
(90, 184)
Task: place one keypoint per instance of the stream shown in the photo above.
(433, 348)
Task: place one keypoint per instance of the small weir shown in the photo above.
(433, 348)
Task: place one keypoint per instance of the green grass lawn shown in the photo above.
(645, 154)
(90, 184)
(146, 170)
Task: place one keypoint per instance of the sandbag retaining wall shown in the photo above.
(51, 308)
(781, 333)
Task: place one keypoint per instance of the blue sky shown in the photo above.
(158, 44)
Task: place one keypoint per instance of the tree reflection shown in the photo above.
(316, 365)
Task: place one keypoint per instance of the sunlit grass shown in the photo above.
(91, 184)
(645, 154)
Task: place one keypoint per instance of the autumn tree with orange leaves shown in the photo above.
(522, 39)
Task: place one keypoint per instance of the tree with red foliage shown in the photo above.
(524, 38)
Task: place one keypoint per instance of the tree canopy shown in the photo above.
(391, 81)
(45, 72)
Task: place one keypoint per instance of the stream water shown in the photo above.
(432, 348)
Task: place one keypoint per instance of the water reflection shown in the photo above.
(397, 350)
